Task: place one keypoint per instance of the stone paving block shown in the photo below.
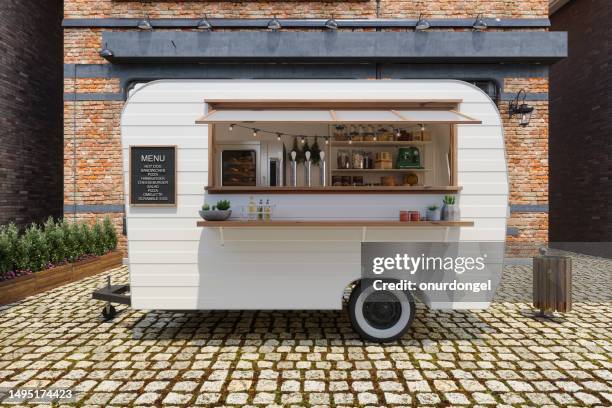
(276, 359)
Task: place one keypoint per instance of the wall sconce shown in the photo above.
(422, 24)
(274, 24)
(519, 107)
(145, 24)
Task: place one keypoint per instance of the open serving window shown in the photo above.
(326, 146)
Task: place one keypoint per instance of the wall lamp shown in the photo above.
(519, 107)
(274, 24)
(479, 24)
(422, 24)
(331, 24)
(204, 24)
(145, 24)
(105, 52)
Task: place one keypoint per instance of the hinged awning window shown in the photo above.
(335, 116)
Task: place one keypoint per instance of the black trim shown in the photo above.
(225, 23)
(317, 46)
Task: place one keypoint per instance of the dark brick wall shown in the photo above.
(31, 110)
(581, 125)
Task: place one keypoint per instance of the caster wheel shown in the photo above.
(109, 312)
(380, 316)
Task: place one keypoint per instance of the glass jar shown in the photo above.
(344, 159)
(358, 159)
(340, 133)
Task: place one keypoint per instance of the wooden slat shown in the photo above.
(333, 224)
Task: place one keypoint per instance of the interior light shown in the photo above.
(279, 136)
(302, 140)
(422, 127)
(255, 131)
(231, 127)
(398, 133)
(327, 140)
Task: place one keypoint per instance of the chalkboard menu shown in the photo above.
(153, 175)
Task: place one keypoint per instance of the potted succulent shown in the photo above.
(450, 211)
(433, 213)
(219, 212)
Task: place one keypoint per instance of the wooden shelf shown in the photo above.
(380, 143)
(332, 223)
(378, 171)
(336, 190)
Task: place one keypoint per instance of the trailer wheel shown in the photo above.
(109, 312)
(380, 316)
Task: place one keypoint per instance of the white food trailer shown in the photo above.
(308, 253)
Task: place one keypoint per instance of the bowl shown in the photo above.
(216, 215)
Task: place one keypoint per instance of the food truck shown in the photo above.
(384, 151)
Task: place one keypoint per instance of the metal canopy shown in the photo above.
(335, 116)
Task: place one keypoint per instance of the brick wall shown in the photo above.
(307, 9)
(98, 168)
(581, 126)
(30, 111)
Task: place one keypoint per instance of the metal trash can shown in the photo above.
(552, 283)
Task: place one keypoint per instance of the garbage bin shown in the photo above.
(552, 283)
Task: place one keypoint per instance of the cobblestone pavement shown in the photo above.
(500, 356)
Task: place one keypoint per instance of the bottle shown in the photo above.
(251, 209)
(260, 210)
(267, 210)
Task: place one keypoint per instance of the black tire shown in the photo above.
(109, 312)
(385, 317)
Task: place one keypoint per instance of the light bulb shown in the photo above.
(255, 132)
(422, 128)
(279, 136)
(327, 140)
(231, 127)
(350, 140)
(398, 133)
(302, 140)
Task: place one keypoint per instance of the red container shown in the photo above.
(404, 216)
(415, 216)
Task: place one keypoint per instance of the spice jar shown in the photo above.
(415, 216)
(344, 160)
(404, 216)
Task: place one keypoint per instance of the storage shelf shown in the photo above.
(380, 143)
(332, 223)
(378, 171)
(336, 190)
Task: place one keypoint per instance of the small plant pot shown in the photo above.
(434, 215)
(450, 212)
(216, 215)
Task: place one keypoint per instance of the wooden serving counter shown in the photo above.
(332, 223)
(336, 190)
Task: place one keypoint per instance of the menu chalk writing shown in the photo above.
(153, 175)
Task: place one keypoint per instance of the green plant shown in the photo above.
(223, 205)
(32, 249)
(316, 151)
(54, 235)
(432, 207)
(206, 207)
(110, 235)
(98, 242)
(449, 199)
(9, 237)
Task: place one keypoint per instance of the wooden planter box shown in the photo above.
(24, 286)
